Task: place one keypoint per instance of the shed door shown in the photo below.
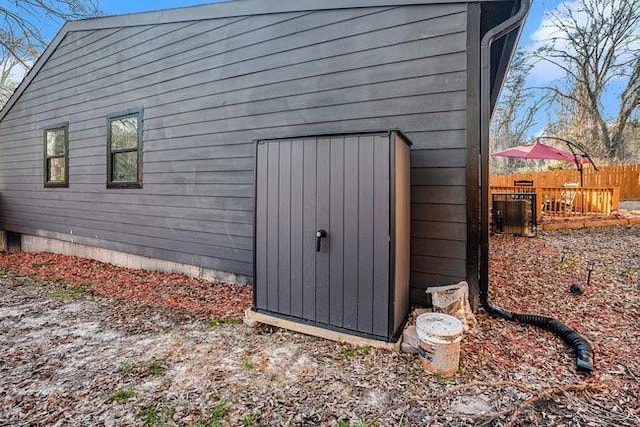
(339, 184)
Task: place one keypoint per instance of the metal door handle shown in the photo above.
(320, 234)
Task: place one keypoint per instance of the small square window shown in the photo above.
(56, 156)
(124, 140)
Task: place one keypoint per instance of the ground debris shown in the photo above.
(85, 343)
(73, 276)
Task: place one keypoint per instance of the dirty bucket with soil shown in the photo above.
(439, 350)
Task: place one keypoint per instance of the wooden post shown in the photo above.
(615, 199)
(625, 177)
(540, 202)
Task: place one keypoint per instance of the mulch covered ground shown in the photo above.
(194, 297)
(85, 343)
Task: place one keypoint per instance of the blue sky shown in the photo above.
(115, 7)
(118, 7)
(112, 7)
(545, 74)
(535, 18)
(533, 31)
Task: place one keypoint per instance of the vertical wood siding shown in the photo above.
(209, 89)
(346, 283)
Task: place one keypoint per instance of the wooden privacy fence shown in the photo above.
(568, 201)
(625, 177)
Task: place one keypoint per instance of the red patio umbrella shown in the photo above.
(542, 151)
(537, 150)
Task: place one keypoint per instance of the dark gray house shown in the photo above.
(133, 138)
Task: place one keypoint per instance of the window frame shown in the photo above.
(136, 112)
(46, 157)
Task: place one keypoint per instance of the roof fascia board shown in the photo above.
(196, 13)
(238, 8)
(42, 59)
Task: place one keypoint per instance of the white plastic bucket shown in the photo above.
(440, 335)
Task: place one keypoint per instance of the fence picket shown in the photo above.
(625, 177)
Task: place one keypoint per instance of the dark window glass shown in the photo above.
(57, 169)
(124, 133)
(123, 147)
(56, 146)
(56, 142)
(125, 167)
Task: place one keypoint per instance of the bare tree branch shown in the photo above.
(515, 113)
(21, 40)
(596, 43)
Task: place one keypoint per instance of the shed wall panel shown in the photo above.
(325, 189)
(297, 223)
(273, 232)
(336, 223)
(323, 206)
(284, 228)
(262, 157)
(381, 236)
(309, 197)
(365, 232)
(351, 225)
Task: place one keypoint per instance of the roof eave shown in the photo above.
(202, 12)
(42, 59)
(229, 9)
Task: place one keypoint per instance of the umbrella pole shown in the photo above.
(580, 168)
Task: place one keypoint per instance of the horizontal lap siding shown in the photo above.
(211, 88)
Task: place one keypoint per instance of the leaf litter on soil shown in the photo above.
(510, 374)
(73, 275)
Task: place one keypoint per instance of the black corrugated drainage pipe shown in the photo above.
(583, 350)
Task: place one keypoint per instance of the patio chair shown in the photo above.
(562, 204)
(568, 196)
(523, 185)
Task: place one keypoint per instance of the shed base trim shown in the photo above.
(252, 318)
(32, 243)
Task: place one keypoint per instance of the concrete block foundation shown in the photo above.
(122, 259)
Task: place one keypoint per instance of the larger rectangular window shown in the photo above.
(124, 146)
(56, 156)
